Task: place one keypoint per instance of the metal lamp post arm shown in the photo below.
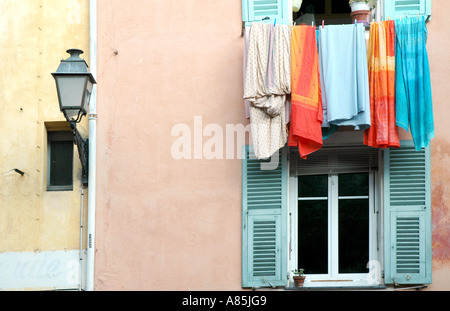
(83, 152)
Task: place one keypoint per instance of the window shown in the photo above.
(60, 160)
(331, 11)
(349, 216)
(333, 206)
(335, 223)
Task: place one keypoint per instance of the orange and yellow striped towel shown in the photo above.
(306, 99)
(383, 132)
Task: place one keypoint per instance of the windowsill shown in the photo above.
(323, 288)
(60, 188)
(305, 288)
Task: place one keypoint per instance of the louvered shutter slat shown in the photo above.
(409, 258)
(395, 9)
(407, 212)
(266, 11)
(264, 219)
(331, 160)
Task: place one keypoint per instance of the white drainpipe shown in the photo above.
(90, 260)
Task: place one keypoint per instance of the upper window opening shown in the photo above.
(330, 11)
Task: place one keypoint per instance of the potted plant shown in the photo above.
(360, 10)
(299, 277)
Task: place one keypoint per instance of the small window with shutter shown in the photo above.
(60, 148)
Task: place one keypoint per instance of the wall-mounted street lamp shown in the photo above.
(74, 84)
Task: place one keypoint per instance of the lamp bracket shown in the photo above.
(83, 151)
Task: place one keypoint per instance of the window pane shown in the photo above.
(353, 235)
(313, 6)
(340, 6)
(313, 236)
(313, 186)
(353, 184)
(61, 161)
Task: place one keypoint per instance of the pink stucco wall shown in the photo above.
(166, 224)
(438, 52)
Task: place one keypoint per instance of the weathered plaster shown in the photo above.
(163, 63)
(34, 37)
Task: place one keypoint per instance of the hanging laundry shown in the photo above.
(247, 102)
(414, 107)
(327, 128)
(383, 132)
(306, 100)
(344, 74)
(246, 39)
(267, 85)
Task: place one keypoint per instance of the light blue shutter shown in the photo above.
(265, 11)
(407, 215)
(394, 9)
(264, 221)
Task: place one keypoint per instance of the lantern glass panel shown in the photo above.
(87, 96)
(71, 89)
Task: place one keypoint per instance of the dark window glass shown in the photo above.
(313, 186)
(353, 184)
(313, 6)
(340, 6)
(313, 236)
(353, 235)
(313, 224)
(60, 161)
(353, 223)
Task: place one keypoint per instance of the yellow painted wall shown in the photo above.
(34, 37)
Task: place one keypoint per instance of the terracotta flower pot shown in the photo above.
(299, 280)
(361, 12)
(362, 16)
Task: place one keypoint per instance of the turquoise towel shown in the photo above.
(414, 105)
(344, 76)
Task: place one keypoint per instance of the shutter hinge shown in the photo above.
(266, 281)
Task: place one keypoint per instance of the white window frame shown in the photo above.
(333, 278)
(55, 136)
(375, 276)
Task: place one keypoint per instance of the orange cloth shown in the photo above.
(306, 98)
(383, 132)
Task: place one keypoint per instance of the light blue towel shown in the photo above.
(414, 105)
(344, 76)
(327, 128)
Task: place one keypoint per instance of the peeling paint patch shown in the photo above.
(440, 225)
(40, 270)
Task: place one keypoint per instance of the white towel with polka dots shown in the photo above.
(267, 83)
